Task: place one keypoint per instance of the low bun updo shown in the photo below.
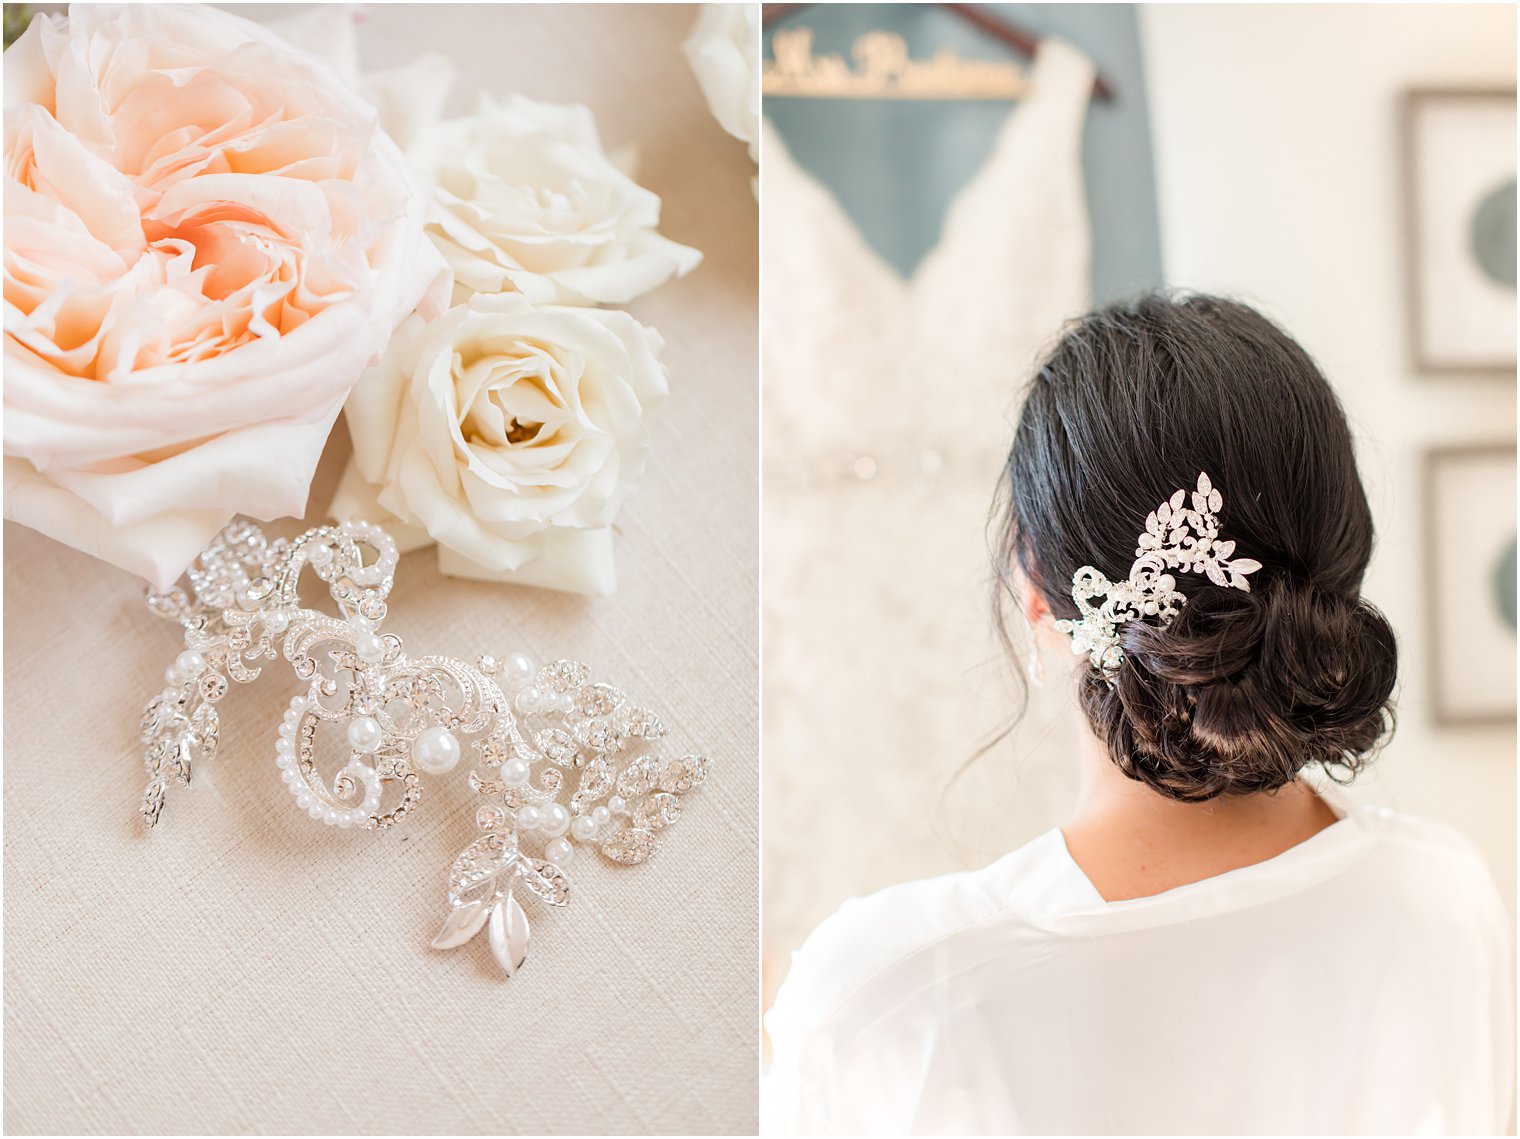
(1243, 689)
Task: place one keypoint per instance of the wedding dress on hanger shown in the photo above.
(888, 409)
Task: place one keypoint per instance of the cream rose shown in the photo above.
(524, 199)
(207, 239)
(510, 435)
(724, 52)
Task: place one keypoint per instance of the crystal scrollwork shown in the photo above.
(560, 762)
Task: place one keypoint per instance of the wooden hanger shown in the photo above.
(982, 82)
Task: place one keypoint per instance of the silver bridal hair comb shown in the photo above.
(1176, 538)
(536, 735)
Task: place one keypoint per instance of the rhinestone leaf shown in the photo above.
(637, 778)
(681, 775)
(630, 846)
(656, 811)
(598, 735)
(558, 747)
(562, 676)
(597, 700)
(153, 801)
(482, 860)
(639, 723)
(205, 728)
(596, 782)
(545, 880)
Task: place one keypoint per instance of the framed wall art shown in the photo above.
(1459, 180)
(1470, 583)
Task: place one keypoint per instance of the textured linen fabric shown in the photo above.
(1358, 983)
(887, 421)
(244, 970)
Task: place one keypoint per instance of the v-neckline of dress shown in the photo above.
(1053, 54)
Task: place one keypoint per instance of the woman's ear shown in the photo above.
(1032, 603)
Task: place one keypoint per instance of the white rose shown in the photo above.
(524, 198)
(724, 51)
(510, 435)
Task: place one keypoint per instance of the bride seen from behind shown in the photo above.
(1209, 944)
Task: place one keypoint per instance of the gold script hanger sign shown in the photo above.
(882, 69)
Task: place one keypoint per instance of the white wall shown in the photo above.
(1277, 160)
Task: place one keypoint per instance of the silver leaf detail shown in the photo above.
(463, 923)
(508, 934)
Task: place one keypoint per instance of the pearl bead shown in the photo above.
(529, 700)
(190, 663)
(556, 820)
(364, 734)
(276, 621)
(369, 648)
(330, 816)
(345, 820)
(172, 677)
(315, 810)
(559, 852)
(361, 623)
(284, 746)
(527, 818)
(303, 800)
(584, 828)
(518, 671)
(436, 750)
(514, 773)
(320, 554)
(283, 760)
(615, 805)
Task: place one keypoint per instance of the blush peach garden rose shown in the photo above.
(207, 239)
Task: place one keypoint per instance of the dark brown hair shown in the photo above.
(1243, 690)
